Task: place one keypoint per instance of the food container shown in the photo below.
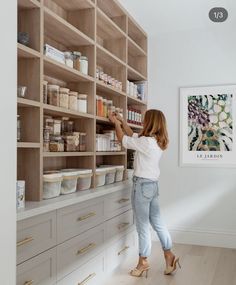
(100, 177)
(73, 100)
(72, 143)
(56, 127)
(110, 173)
(76, 59)
(97, 73)
(104, 107)
(64, 125)
(51, 185)
(49, 124)
(64, 98)
(70, 127)
(46, 146)
(56, 144)
(84, 65)
(54, 53)
(84, 179)
(23, 38)
(69, 59)
(82, 103)
(99, 104)
(119, 173)
(69, 182)
(82, 141)
(53, 95)
(20, 194)
(21, 91)
(45, 92)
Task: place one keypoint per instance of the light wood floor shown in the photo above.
(200, 266)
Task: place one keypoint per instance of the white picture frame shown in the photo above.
(199, 118)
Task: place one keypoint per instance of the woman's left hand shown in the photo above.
(113, 119)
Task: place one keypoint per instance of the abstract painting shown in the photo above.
(208, 126)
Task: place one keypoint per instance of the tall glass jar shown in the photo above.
(73, 100)
(45, 92)
(53, 95)
(104, 107)
(18, 128)
(82, 103)
(64, 98)
(84, 65)
(76, 59)
(69, 59)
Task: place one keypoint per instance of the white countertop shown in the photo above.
(36, 208)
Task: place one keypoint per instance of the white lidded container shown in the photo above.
(110, 173)
(119, 173)
(52, 185)
(100, 177)
(84, 179)
(82, 103)
(69, 182)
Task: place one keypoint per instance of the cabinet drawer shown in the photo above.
(118, 225)
(119, 251)
(91, 273)
(78, 250)
(118, 203)
(40, 270)
(76, 219)
(35, 235)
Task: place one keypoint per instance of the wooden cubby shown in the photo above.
(110, 38)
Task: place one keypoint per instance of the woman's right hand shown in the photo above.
(119, 117)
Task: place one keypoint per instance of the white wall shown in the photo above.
(186, 49)
(8, 142)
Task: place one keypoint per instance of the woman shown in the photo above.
(149, 145)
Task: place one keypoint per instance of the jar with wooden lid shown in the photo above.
(64, 125)
(70, 127)
(84, 65)
(49, 124)
(76, 60)
(56, 127)
(64, 98)
(45, 92)
(53, 95)
(73, 100)
(56, 144)
(69, 59)
(82, 103)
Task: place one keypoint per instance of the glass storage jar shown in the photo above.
(56, 144)
(64, 98)
(49, 122)
(82, 103)
(73, 100)
(69, 59)
(53, 95)
(45, 92)
(84, 65)
(104, 107)
(64, 125)
(56, 127)
(99, 105)
(82, 141)
(70, 127)
(18, 128)
(76, 59)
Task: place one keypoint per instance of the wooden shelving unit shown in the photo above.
(111, 39)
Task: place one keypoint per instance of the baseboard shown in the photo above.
(202, 237)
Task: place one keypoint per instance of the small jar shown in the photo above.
(84, 65)
(64, 98)
(99, 106)
(104, 107)
(56, 144)
(82, 142)
(57, 127)
(45, 92)
(76, 60)
(82, 103)
(70, 127)
(46, 133)
(101, 73)
(109, 106)
(97, 73)
(53, 95)
(49, 123)
(69, 59)
(64, 125)
(18, 128)
(105, 78)
(46, 146)
(73, 100)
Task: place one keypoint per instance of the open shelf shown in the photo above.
(103, 120)
(134, 75)
(135, 101)
(28, 145)
(67, 154)
(61, 71)
(134, 49)
(58, 111)
(109, 89)
(74, 4)
(62, 31)
(26, 52)
(136, 33)
(26, 103)
(104, 153)
(28, 4)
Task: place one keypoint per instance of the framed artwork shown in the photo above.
(207, 126)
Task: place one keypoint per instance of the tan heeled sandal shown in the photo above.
(171, 268)
(139, 272)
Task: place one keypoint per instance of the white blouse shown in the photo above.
(147, 156)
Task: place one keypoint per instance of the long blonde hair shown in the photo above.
(154, 125)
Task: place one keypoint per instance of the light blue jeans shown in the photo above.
(147, 210)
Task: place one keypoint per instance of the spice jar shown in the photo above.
(18, 128)
(109, 106)
(104, 107)
(97, 73)
(84, 65)
(64, 125)
(64, 98)
(49, 123)
(82, 142)
(45, 92)
(56, 144)
(73, 100)
(101, 73)
(69, 59)
(53, 95)
(76, 59)
(82, 103)
(70, 127)
(99, 104)
(105, 78)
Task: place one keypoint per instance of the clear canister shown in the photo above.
(84, 65)
(73, 100)
(76, 59)
(53, 95)
(64, 98)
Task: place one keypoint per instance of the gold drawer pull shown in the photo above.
(122, 226)
(124, 249)
(29, 282)
(87, 279)
(86, 248)
(86, 216)
(123, 200)
(24, 241)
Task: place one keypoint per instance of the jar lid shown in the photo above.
(77, 53)
(73, 93)
(83, 57)
(82, 96)
(51, 86)
(65, 90)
